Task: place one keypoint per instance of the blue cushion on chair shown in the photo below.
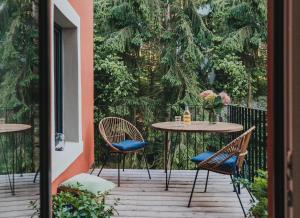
(129, 145)
(203, 156)
(228, 164)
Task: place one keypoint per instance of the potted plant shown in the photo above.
(213, 103)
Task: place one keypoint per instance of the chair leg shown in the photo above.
(237, 194)
(206, 181)
(94, 166)
(104, 163)
(119, 160)
(238, 183)
(193, 188)
(234, 181)
(36, 174)
(144, 155)
(124, 155)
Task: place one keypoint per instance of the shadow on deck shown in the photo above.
(141, 197)
(18, 205)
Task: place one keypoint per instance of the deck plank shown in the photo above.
(140, 197)
(18, 205)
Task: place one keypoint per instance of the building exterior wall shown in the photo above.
(86, 156)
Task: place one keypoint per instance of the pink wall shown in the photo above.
(86, 159)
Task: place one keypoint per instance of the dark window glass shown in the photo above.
(58, 79)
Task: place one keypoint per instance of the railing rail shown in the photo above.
(189, 145)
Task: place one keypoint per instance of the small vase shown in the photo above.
(212, 117)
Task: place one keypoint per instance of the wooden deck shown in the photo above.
(141, 197)
(18, 205)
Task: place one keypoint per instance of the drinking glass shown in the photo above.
(178, 119)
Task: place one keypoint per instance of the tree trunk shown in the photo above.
(168, 16)
(151, 86)
(250, 94)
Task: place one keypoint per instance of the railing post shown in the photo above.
(264, 140)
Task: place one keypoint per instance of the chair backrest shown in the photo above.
(115, 130)
(238, 147)
(244, 143)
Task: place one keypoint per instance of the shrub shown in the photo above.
(74, 202)
(259, 190)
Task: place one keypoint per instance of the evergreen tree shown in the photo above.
(238, 48)
(19, 54)
(155, 43)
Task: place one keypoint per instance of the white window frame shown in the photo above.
(70, 20)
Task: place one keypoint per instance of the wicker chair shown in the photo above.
(229, 161)
(122, 138)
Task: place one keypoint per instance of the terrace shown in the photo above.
(141, 197)
(139, 62)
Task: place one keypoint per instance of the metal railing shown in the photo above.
(27, 146)
(191, 144)
(257, 154)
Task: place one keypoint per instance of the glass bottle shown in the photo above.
(187, 118)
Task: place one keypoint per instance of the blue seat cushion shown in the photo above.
(226, 165)
(129, 145)
(203, 156)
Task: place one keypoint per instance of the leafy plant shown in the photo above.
(75, 202)
(36, 208)
(259, 190)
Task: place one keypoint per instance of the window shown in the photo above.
(58, 76)
(66, 128)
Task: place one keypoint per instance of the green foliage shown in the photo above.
(259, 189)
(238, 48)
(214, 103)
(119, 83)
(73, 202)
(150, 54)
(157, 52)
(78, 203)
(231, 76)
(36, 208)
(19, 54)
(168, 50)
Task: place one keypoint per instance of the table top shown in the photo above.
(198, 126)
(13, 127)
